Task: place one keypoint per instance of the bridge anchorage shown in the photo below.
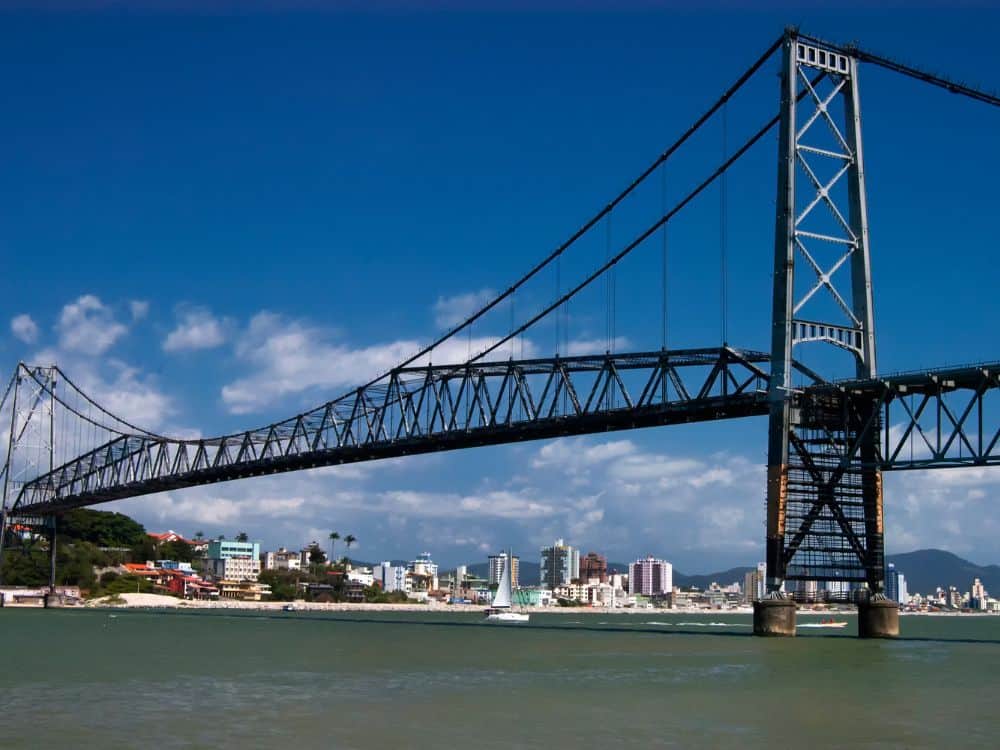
(829, 441)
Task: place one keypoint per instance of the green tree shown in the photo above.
(334, 536)
(316, 555)
(180, 551)
(348, 541)
(102, 528)
(242, 537)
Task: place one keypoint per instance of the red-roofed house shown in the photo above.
(169, 536)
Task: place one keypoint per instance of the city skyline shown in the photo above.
(177, 347)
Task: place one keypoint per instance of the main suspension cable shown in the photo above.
(723, 267)
(908, 70)
(747, 74)
(637, 241)
(104, 411)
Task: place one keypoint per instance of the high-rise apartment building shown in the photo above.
(593, 567)
(754, 583)
(895, 585)
(650, 576)
(978, 595)
(497, 563)
(560, 565)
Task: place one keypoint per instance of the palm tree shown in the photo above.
(199, 535)
(349, 540)
(334, 536)
(242, 537)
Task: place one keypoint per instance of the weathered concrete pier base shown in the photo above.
(774, 617)
(878, 618)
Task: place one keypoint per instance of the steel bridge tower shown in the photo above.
(824, 488)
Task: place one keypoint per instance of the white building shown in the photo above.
(282, 559)
(234, 568)
(391, 577)
(233, 560)
(364, 576)
(498, 563)
(977, 595)
(425, 566)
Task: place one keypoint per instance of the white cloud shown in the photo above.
(450, 311)
(24, 328)
(196, 328)
(88, 326)
(291, 356)
(139, 309)
(582, 347)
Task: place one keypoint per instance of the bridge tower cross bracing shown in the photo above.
(824, 490)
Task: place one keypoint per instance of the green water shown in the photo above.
(387, 680)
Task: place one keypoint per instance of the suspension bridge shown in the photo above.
(829, 439)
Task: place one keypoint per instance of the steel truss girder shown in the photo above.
(935, 419)
(423, 409)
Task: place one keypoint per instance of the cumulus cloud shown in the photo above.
(450, 311)
(88, 326)
(196, 328)
(291, 356)
(24, 328)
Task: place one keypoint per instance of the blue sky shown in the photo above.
(219, 220)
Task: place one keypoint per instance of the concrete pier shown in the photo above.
(878, 618)
(774, 617)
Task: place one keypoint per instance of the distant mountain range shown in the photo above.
(924, 569)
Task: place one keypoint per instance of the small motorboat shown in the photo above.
(828, 623)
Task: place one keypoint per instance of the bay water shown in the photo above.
(225, 679)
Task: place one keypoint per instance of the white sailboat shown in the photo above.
(500, 610)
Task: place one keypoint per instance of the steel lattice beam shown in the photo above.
(425, 409)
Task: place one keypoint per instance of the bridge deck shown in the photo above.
(931, 419)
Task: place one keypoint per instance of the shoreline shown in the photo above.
(157, 601)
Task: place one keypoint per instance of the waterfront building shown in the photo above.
(895, 585)
(755, 584)
(594, 567)
(533, 596)
(497, 563)
(390, 577)
(233, 561)
(424, 566)
(805, 591)
(233, 568)
(362, 576)
(954, 598)
(188, 586)
(247, 591)
(560, 565)
(572, 592)
(650, 576)
(282, 559)
(183, 567)
(977, 595)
